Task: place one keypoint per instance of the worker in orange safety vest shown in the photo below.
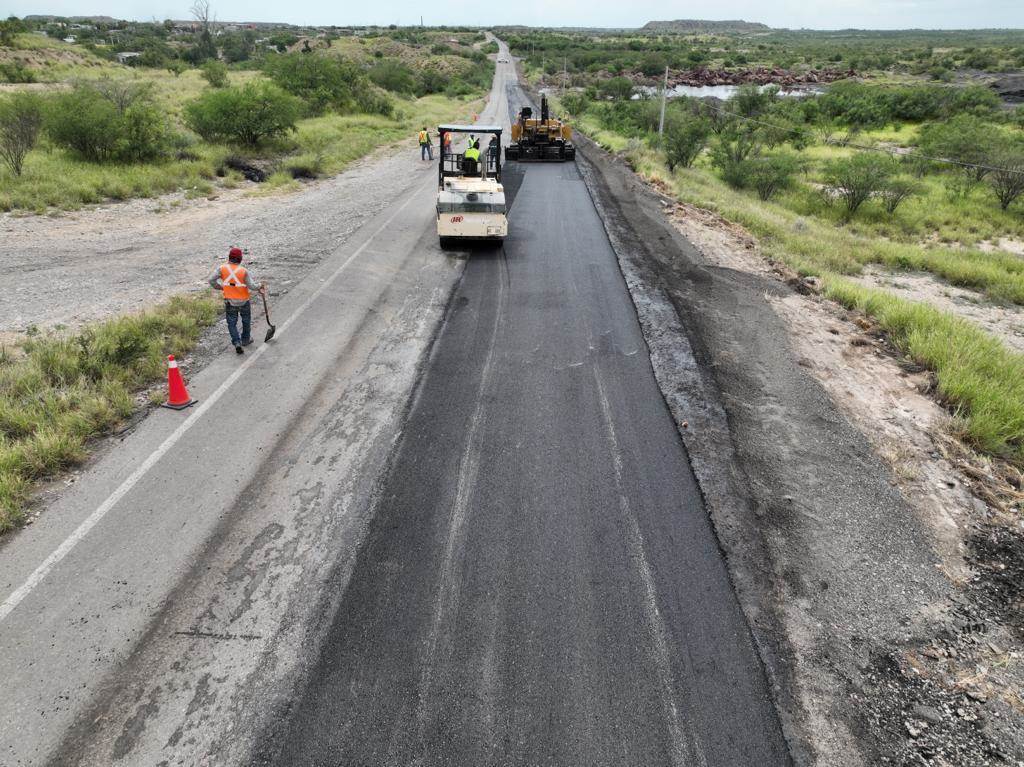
(236, 285)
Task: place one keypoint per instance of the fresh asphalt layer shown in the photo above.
(540, 583)
(512, 567)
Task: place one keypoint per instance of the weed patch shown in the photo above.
(62, 391)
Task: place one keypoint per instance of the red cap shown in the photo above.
(235, 254)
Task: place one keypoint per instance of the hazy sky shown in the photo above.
(832, 14)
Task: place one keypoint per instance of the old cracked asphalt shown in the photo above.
(512, 567)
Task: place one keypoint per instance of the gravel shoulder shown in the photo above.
(870, 554)
(69, 269)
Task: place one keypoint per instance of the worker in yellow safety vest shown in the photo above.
(236, 285)
(471, 158)
(426, 148)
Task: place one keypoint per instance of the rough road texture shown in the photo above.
(111, 259)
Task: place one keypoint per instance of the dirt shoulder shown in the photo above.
(111, 259)
(872, 572)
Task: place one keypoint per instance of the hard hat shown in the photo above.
(235, 254)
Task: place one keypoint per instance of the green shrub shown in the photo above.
(684, 140)
(576, 103)
(855, 179)
(895, 191)
(9, 28)
(735, 145)
(395, 77)
(16, 72)
(1008, 180)
(104, 123)
(322, 82)
(617, 88)
(21, 118)
(247, 115)
(215, 73)
(964, 138)
(770, 174)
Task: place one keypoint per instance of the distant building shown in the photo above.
(125, 56)
(70, 39)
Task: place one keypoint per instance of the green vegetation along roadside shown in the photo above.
(893, 55)
(786, 179)
(106, 131)
(58, 392)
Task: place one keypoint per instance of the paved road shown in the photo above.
(540, 584)
(514, 567)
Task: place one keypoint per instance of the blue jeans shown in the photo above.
(426, 152)
(231, 313)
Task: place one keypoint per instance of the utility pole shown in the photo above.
(664, 97)
(565, 72)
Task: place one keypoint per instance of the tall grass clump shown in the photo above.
(61, 391)
(978, 377)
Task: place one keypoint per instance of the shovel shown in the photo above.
(270, 328)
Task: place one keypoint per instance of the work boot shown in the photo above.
(238, 350)
(246, 342)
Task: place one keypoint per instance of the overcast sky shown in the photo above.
(834, 14)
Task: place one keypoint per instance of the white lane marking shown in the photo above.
(681, 743)
(125, 487)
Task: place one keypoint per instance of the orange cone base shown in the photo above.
(182, 406)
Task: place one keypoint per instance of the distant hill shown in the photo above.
(74, 19)
(699, 25)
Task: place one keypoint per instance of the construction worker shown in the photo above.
(235, 283)
(426, 148)
(471, 157)
(447, 143)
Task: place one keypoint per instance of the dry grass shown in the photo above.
(61, 391)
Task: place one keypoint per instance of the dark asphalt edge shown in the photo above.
(721, 478)
(266, 749)
(691, 397)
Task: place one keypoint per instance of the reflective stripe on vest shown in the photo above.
(232, 282)
(472, 153)
(423, 137)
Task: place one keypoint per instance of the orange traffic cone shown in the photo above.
(177, 394)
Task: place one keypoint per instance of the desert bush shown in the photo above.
(322, 82)
(248, 115)
(770, 174)
(393, 76)
(10, 27)
(215, 73)
(16, 72)
(855, 179)
(964, 138)
(106, 122)
(735, 145)
(1007, 180)
(684, 140)
(897, 190)
(576, 103)
(21, 118)
(617, 88)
